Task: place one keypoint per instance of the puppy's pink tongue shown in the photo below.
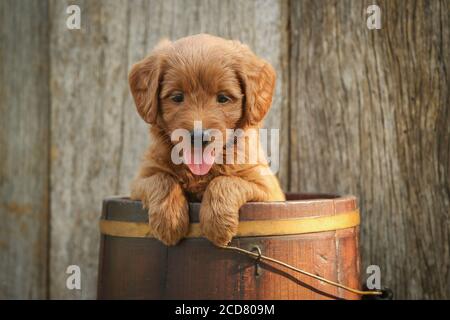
(204, 161)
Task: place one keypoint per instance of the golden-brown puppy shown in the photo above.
(225, 86)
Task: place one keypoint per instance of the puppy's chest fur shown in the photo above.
(195, 186)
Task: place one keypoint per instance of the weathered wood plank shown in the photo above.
(88, 94)
(97, 137)
(24, 112)
(370, 116)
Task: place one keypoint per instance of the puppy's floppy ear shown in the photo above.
(258, 81)
(144, 80)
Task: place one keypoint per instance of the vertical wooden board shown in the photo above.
(370, 115)
(89, 95)
(24, 111)
(313, 253)
(347, 253)
(196, 269)
(132, 268)
(97, 137)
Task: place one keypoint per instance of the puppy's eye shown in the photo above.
(221, 98)
(177, 98)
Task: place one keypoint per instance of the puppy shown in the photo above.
(225, 86)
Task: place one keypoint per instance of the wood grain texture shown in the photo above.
(97, 136)
(24, 119)
(87, 123)
(361, 112)
(371, 114)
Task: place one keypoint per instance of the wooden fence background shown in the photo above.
(361, 111)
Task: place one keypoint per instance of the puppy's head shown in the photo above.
(202, 78)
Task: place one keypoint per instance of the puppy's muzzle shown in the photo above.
(200, 137)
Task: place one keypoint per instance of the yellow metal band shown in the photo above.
(252, 228)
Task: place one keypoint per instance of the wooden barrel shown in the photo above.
(315, 232)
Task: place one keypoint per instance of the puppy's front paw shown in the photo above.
(169, 221)
(168, 210)
(219, 218)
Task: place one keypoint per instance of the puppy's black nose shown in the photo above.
(200, 137)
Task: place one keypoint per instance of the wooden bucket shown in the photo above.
(316, 233)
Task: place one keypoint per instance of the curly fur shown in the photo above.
(200, 66)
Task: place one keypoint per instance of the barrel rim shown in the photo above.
(255, 228)
(122, 208)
